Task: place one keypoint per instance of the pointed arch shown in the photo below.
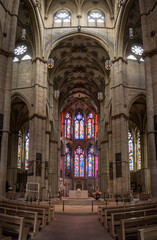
(79, 162)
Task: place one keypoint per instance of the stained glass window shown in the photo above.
(67, 161)
(79, 162)
(27, 151)
(96, 16)
(62, 16)
(79, 126)
(68, 126)
(138, 150)
(19, 150)
(131, 153)
(21, 49)
(90, 162)
(90, 126)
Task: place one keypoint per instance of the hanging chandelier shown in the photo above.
(108, 64)
(50, 63)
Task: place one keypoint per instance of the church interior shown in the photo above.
(78, 109)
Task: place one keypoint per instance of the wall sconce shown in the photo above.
(37, 3)
(56, 94)
(23, 35)
(50, 63)
(100, 96)
(131, 33)
(108, 64)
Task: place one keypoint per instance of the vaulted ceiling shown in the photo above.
(79, 72)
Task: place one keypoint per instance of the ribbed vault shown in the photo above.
(79, 72)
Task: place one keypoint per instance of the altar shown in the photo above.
(78, 193)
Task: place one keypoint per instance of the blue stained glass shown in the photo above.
(81, 165)
(131, 155)
(76, 129)
(138, 150)
(27, 151)
(93, 128)
(90, 126)
(68, 126)
(19, 150)
(79, 150)
(79, 162)
(81, 129)
(67, 161)
(76, 166)
(90, 162)
(79, 126)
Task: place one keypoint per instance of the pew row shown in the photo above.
(108, 212)
(129, 227)
(13, 226)
(31, 218)
(149, 233)
(41, 211)
(116, 218)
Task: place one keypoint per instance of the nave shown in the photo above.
(70, 227)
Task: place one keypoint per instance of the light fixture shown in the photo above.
(108, 64)
(50, 63)
(100, 96)
(37, 3)
(23, 35)
(131, 33)
(56, 94)
(122, 2)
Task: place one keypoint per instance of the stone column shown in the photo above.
(9, 23)
(54, 153)
(149, 30)
(12, 160)
(37, 124)
(121, 181)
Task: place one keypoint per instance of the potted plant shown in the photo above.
(97, 195)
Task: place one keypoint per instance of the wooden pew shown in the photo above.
(116, 217)
(41, 211)
(31, 218)
(48, 208)
(101, 209)
(107, 212)
(129, 227)
(149, 233)
(14, 225)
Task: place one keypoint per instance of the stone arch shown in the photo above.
(19, 116)
(102, 40)
(138, 130)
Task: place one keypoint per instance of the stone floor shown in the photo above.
(72, 227)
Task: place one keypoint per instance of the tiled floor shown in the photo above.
(69, 227)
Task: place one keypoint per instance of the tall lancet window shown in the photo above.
(67, 161)
(19, 150)
(138, 150)
(79, 126)
(90, 162)
(79, 162)
(68, 126)
(27, 151)
(131, 151)
(90, 126)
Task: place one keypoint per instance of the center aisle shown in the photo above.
(68, 227)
